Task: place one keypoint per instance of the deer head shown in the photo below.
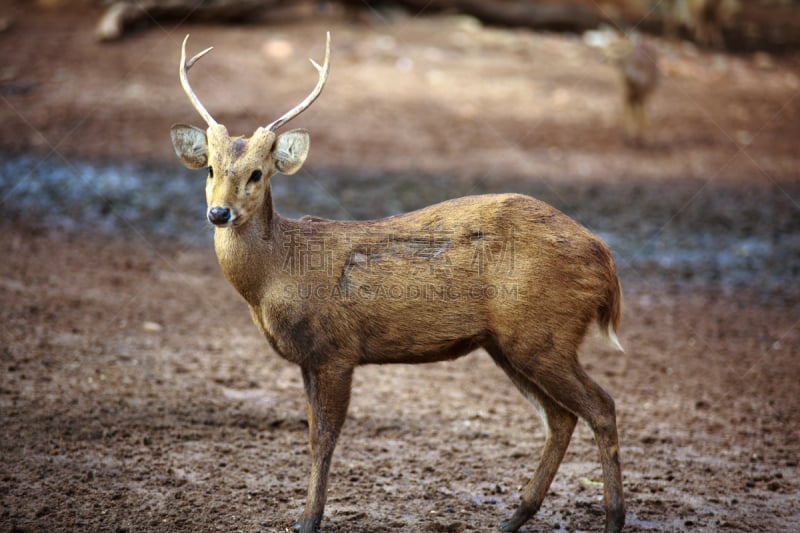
(239, 168)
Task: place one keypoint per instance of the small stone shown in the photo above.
(152, 327)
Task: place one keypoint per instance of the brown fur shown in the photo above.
(504, 272)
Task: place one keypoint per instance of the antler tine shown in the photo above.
(323, 77)
(185, 66)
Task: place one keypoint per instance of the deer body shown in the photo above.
(503, 272)
(429, 285)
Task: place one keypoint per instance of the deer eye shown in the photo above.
(255, 177)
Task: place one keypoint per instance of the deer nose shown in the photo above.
(219, 215)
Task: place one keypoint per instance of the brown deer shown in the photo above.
(637, 62)
(506, 273)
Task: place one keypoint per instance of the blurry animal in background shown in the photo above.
(637, 62)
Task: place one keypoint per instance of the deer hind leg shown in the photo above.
(631, 117)
(628, 120)
(643, 122)
(559, 424)
(560, 376)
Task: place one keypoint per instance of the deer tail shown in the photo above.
(610, 311)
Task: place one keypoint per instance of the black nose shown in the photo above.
(219, 215)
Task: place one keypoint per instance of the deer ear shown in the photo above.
(290, 150)
(191, 145)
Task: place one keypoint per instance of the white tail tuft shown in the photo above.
(612, 338)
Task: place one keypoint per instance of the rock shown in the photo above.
(152, 327)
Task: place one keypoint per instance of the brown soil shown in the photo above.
(136, 395)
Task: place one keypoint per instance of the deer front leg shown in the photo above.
(328, 395)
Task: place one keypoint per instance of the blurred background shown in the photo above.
(668, 127)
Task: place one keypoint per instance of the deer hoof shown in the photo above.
(306, 526)
(509, 526)
(614, 521)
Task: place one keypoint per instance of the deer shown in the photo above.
(637, 63)
(503, 272)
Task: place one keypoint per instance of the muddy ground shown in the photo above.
(136, 395)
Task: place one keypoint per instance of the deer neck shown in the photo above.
(245, 252)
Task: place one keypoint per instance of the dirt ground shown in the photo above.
(136, 394)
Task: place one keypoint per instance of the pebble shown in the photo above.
(152, 327)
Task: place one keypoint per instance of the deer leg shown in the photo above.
(562, 378)
(328, 395)
(559, 424)
(643, 120)
(629, 119)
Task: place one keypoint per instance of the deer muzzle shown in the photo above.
(220, 216)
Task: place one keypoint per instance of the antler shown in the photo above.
(302, 106)
(185, 66)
